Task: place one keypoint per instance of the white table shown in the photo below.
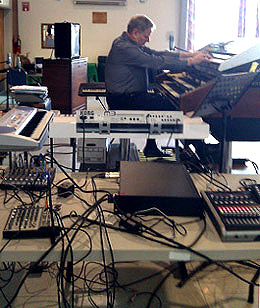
(131, 247)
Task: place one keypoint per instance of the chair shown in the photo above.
(16, 77)
(92, 72)
(101, 68)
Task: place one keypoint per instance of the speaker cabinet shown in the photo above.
(67, 40)
(63, 77)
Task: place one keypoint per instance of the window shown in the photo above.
(217, 21)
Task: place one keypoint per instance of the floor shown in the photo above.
(212, 287)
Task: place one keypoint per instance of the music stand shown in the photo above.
(225, 93)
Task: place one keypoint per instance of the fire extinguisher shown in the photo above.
(17, 46)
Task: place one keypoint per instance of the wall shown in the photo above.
(95, 38)
(1, 40)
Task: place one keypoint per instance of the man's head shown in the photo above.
(139, 29)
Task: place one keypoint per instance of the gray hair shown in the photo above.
(141, 23)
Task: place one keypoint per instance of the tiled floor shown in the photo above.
(212, 287)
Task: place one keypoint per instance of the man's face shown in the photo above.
(141, 37)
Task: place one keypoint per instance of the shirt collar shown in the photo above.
(125, 36)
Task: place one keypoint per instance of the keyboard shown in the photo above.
(24, 128)
(92, 89)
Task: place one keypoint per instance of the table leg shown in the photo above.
(25, 155)
(73, 145)
(182, 270)
(251, 287)
(10, 160)
(192, 273)
(69, 272)
(177, 150)
(51, 150)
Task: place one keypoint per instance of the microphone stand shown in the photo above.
(53, 229)
(9, 62)
(6, 70)
(7, 108)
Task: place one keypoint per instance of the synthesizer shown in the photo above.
(29, 179)
(92, 89)
(30, 222)
(130, 121)
(24, 128)
(96, 89)
(235, 214)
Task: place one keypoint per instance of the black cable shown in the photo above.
(158, 238)
(73, 236)
(45, 254)
(64, 167)
(255, 166)
(181, 246)
(221, 186)
(102, 219)
(246, 182)
(76, 185)
(201, 233)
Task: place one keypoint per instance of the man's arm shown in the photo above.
(175, 54)
(195, 57)
(146, 57)
(192, 58)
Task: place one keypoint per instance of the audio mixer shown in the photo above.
(30, 222)
(235, 214)
(29, 179)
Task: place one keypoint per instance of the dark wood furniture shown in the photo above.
(63, 78)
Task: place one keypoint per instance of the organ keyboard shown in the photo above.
(24, 128)
(173, 85)
(188, 90)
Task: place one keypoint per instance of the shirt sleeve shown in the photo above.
(149, 58)
(174, 54)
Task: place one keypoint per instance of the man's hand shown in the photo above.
(197, 57)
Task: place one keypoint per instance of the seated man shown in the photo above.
(126, 72)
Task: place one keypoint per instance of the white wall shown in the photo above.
(95, 38)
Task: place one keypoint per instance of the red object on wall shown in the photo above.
(17, 46)
(25, 6)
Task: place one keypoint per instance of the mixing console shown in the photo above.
(30, 179)
(235, 214)
(32, 222)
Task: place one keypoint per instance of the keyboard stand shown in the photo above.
(96, 89)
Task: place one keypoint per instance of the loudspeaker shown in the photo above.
(67, 40)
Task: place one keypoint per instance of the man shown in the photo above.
(126, 72)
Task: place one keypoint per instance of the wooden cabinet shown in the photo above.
(63, 78)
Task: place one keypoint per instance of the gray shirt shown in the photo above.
(128, 63)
